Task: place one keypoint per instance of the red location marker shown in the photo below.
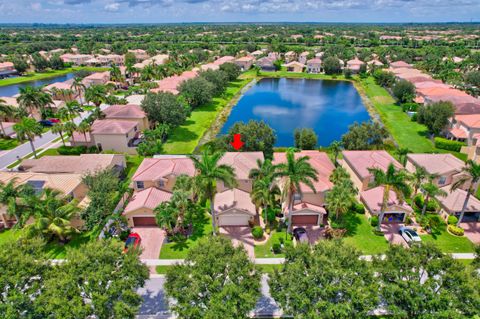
(237, 141)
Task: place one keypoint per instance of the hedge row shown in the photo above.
(448, 145)
(76, 150)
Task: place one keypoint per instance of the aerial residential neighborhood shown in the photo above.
(155, 166)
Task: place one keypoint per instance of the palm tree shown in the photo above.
(78, 87)
(6, 111)
(53, 216)
(73, 108)
(116, 74)
(391, 180)
(95, 94)
(28, 129)
(15, 199)
(209, 172)
(70, 128)
(30, 98)
(336, 147)
(264, 169)
(59, 128)
(264, 195)
(294, 173)
(97, 114)
(181, 200)
(341, 197)
(402, 155)
(338, 175)
(84, 128)
(473, 171)
(431, 190)
(417, 178)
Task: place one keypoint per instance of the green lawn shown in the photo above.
(178, 249)
(265, 250)
(360, 235)
(268, 269)
(285, 74)
(449, 243)
(9, 234)
(8, 144)
(185, 138)
(45, 75)
(55, 250)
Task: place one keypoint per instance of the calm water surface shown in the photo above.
(13, 89)
(328, 107)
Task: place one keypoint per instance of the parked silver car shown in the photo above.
(409, 235)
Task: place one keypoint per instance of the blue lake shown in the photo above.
(11, 90)
(328, 107)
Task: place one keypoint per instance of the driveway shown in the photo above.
(390, 231)
(314, 233)
(472, 231)
(152, 240)
(241, 235)
(155, 303)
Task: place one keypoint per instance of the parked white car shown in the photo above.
(409, 235)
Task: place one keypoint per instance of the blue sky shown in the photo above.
(165, 11)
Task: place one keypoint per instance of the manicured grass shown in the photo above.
(9, 234)
(45, 75)
(49, 152)
(162, 270)
(265, 250)
(179, 249)
(360, 235)
(184, 138)
(55, 250)
(8, 144)
(449, 243)
(285, 74)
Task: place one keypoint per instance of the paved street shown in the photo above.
(8, 157)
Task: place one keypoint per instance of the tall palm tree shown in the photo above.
(15, 198)
(431, 190)
(264, 194)
(28, 129)
(472, 170)
(6, 111)
(417, 178)
(294, 172)
(402, 155)
(73, 108)
(338, 175)
(116, 74)
(391, 180)
(209, 172)
(53, 216)
(30, 98)
(96, 94)
(336, 147)
(70, 128)
(264, 169)
(341, 197)
(59, 128)
(84, 128)
(78, 87)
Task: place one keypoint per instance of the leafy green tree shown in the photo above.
(326, 281)
(422, 282)
(417, 178)
(435, 116)
(59, 128)
(6, 111)
(218, 78)
(293, 173)
(473, 78)
(431, 190)
(365, 136)
(103, 188)
(216, 280)
(103, 289)
(265, 194)
(471, 178)
(19, 200)
(384, 78)
(404, 91)
(56, 63)
(331, 65)
(343, 193)
(28, 129)
(96, 94)
(130, 58)
(39, 62)
(232, 70)
(305, 139)
(33, 98)
(197, 91)
(390, 180)
(209, 173)
(20, 64)
(153, 140)
(165, 108)
(84, 128)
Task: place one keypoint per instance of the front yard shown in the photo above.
(449, 243)
(265, 250)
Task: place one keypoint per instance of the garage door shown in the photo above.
(394, 218)
(240, 220)
(144, 221)
(305, 220)
(470, 217)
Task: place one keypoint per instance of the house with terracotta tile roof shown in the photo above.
(234, 207)
(116, 135)
(303, 57)
(77, 59)
(224, 59)
(452, 205)
(12, 101)
(209, 66)
(58, 90)
(290, 56)
(265, 64)
(357, 164)
(396, 211)
(73, 164)
(314, 66)
(242, 163)
(294, 66)
(354, 65)
(400, 64)
(256, 54)
(140, 54)
(67, 184)
(140, 209)
(111, 59)
(308, 208)
(245, 63)
(6, 69)
(129, 112)
(171, 83)
(97, 78)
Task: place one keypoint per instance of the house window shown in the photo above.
(442, 180)
(161, 183)
(297, 196)
(140, 185)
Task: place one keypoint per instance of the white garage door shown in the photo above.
(237, 220)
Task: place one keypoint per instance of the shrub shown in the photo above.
(72, 150)
(359, 208)
(455, 230)
(452, 220)
(409, 107)
(374, 221)
(276, 248)
(271, 215)
(449, 145)
(418, 201)
(377, 232)
(257, 232)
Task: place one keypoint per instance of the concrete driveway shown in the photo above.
(314, 233)
(240, 235)
(155, 303)
(152, 240)
(472, 231)
(390, 231)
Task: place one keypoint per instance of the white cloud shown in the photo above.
(112, 7)
(36, 6)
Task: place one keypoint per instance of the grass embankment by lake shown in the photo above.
(35, 76)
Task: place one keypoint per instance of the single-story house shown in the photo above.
(224, 59)
(400, 64)
(354, 65)
(129, 112)
(98, 78)
(140, 54)
(395, 211)
(140, 209)
(245, 63)
(234, 207)
(6, 69)
(265, 64)
(294, 66)
(242, 163)
(453, 204)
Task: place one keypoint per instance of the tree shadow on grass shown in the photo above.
(348, 221)
(201, 228)
(182, 134)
